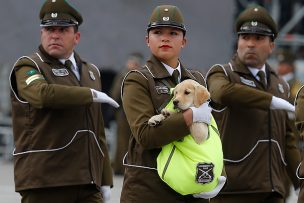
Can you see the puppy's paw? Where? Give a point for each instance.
(166, 112)
(155, 120)
(199, 132)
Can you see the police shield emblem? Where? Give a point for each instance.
(166, 18)
(254, 23)
(204, 173)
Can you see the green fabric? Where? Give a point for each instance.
(180, 163)
(32, 72)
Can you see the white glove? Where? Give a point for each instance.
(214, 192)
(297, 191)
(101, 97)
(106, 193)
(278, 103)
(202, 113)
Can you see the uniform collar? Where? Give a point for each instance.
(71, 58)
(254, 71)
(170, 69)
(238, 66)
(45, 57)
(158, 70)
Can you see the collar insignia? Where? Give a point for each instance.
(281, 89)
(92, 76)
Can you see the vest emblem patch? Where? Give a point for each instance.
(162, 90)
(204, 173)
(60, 72)
(92, 76)
(281, 89)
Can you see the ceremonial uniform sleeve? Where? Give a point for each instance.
(299, 122)
(34, 89)
(227, 93)
(299, 105)
(139, 109)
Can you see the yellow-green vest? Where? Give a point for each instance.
(191, 168)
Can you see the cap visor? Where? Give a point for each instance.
(255, 33)
(62, 23)
(166, 25)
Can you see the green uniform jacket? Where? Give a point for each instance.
(299, 103)
(58, 131)
(145, 93)
(258, 142)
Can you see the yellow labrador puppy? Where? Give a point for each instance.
(186, 94)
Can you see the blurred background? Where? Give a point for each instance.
(112, 30)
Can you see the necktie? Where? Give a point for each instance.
(175, 75)
(68, 64)
(72, 68)
(261, 74)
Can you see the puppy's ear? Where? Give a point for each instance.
(201, 95)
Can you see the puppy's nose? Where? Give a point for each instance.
(175, 103)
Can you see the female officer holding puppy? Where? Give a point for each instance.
(144, 93)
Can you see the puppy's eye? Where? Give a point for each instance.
(187, 92)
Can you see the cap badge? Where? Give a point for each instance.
(166, 18)
(54, 15)
(53, 1)
(254, 23)
(256, 9)
(166, 9)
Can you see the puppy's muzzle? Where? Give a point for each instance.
(175, 103)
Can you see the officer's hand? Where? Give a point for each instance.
(106, 193)
(278, 103)
(214, 192)
(101, 97)
(202, 113)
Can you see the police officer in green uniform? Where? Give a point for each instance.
(145, 92)
(287, 70)
(299, 121)
(258, 144)
(61, 153)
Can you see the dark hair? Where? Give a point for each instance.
(75, 28)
